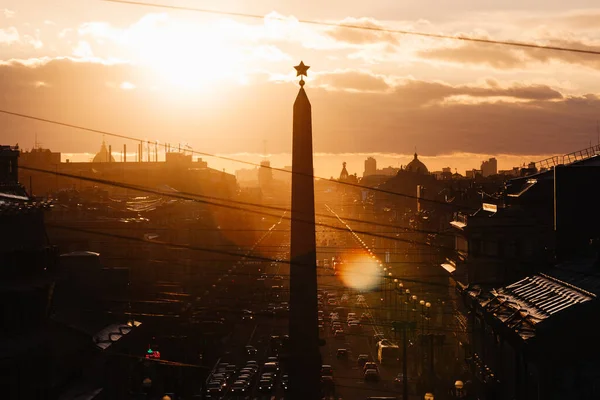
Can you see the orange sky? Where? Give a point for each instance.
(225, 84)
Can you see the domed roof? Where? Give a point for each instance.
(417, 166)
(102, 155)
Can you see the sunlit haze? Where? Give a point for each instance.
(222, 84)
(360, 272)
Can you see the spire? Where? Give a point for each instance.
(344, 173)
(304, 334)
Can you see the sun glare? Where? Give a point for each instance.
(190, 57)
(360, 272)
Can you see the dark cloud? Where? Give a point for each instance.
(504, 57)
(238, 118)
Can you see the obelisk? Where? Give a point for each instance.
(305, 358)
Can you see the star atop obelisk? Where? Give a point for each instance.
(301, 70)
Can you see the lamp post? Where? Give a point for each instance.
(428, 315)
(389, 284)
(395, 298)
(414, 308)
(422, 303)
(407, 292)
(400, 291)
(383, 275)
(458, 392)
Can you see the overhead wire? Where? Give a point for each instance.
(364, 27)
(337, 182)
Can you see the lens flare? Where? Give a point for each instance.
(360, 272)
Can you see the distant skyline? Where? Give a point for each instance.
(225, 84)
(329, 165)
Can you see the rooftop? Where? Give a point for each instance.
(533, 300)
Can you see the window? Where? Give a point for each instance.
(462, 245)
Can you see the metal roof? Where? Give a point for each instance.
(524, 304)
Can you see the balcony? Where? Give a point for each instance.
(459, 220)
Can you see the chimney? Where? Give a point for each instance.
(109, 152)
(124, 153)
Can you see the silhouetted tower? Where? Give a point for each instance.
(305, 360)
(370, 167)
(344, 174)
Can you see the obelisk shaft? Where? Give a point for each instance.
(303, 326)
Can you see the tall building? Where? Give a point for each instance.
(489, 168)
(265, 173)
(370, 167)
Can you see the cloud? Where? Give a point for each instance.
(420, 92)
(353, 81)
(476, 53)
(383, 114)
(9, 35)
(368, 35)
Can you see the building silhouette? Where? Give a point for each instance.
(417, 166)
(370, 167)
(103, 155)
(489, 167)
(265, 174)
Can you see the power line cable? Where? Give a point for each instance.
(366, 28)
(355, 185)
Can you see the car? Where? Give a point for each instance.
(239, 387)
(214, 392)
(271, 367)
(285, 382)
(370, 365)
(231, 369)
(220, 377)
(342, 354)
(362, 359)
(273, 360)
(251, 350)
(371, 375)
(267, 375)
(278, 278)
(321, 328)
(339, 334)
(247, 315)
(326, 370)
(265, 385)
(245, 378)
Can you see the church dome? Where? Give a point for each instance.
(417, 166)
(102, 155)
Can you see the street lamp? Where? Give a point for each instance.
(428, 306)
(459, 390)
(422, 303)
